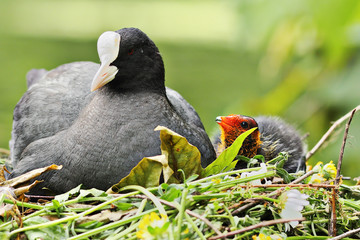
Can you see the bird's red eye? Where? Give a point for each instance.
(131, 52)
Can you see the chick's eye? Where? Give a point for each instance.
(131, 52)
(244, 125)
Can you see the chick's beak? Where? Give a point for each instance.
(108, 48)
(226, 123)
(222, 123)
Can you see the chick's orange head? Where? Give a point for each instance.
(234, 125)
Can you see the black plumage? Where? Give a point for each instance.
(278, 136)
(99, 137)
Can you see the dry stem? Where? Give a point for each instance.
(255, 226)
(4, 151)
(329, 132)
(347, 234)
(337, 179)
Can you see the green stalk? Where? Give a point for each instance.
(149, 195)
(230, 217)
(181, 212)
(123, 233)
(230, 173)
(193, 225)
(111, 225)
(71, 218)
(141, 208)
(133, 225)
(214, 195)
(24, 204)
(45, 208)
(313, 212)
(317, 221)
(350, 203)
(266, 198)
(2, 198)
(246, 179)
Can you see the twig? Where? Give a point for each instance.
(4, 151)
(332, 225)
(347, 234)
(278, 191)
(34, 198)
(334, 192)
(246, 206)
(305, 136)
(329, 132)
(255, 226)
(290, 185)
(337, 179)
(187, 211)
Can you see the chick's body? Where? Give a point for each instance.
(278, 136)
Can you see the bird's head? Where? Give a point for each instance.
(129, 59)
(233, 126)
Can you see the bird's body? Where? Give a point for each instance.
(272, 137)
(52, 102)
(111, 129)
(55, 98)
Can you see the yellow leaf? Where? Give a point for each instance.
(146, 173)
(180, 154)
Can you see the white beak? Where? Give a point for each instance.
(108, 46)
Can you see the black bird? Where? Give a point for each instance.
(99, 137)
(62, 93)
(273, 136)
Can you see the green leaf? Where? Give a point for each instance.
(192, 178)
(57, 206)
(2, 197)
(231, 166)
(180, 154)
(66, 196)
(284, 175)
(91, 192)
(223, 162)
(146, 173)
(280, 160)
(351, 203)
(172, 192)
(4, 235)
(52, 232)
(123, 205)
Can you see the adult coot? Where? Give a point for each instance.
(62, 93)
(272, 137)
(99, 137)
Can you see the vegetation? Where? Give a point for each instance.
(298, 59)
(206, 208)
(260, 202)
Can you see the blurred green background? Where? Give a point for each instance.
(298, 59)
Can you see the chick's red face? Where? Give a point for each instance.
(234, 125)
(238, 122)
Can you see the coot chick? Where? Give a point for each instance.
(114, 129)
(272, 136)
